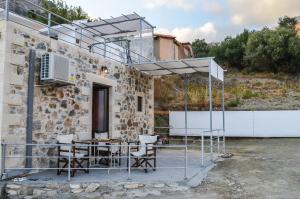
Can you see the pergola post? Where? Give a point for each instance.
(141, 43)
(210, 110)
(7, 10)
(223, 113)
(185, 119)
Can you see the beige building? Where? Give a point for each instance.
(298, 25)
(167, 47)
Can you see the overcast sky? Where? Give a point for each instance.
(191, 19)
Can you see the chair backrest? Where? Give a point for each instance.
(101, 135)
(83, 136)
(146, 139)
(65, 139)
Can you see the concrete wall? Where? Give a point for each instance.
(66, 109)
(240, 123)
(165, 49)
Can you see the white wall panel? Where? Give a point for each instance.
(239, 123)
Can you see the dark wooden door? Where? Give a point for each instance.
(100, 110)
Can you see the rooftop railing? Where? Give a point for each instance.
(75, 33)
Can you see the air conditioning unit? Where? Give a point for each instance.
(57, 69)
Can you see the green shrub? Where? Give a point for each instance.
(248, 94)
(234, 103)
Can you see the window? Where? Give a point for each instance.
(140, 104)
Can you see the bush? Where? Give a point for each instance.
(234, 103)
(249, 94)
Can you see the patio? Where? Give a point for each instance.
(170, 169)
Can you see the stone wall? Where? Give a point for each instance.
(67, 109)
(108, 190)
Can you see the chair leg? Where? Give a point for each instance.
(58, 173)
(73, 168)
(88, 166)
(154, 162)
(146, 165)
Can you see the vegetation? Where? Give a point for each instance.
(60, 8)
(259, 91)
(268, 50)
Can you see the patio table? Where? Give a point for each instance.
(107, 153)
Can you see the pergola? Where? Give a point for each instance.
(184, 67)
(131, 23)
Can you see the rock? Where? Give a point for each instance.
(52, 194)
(11, 192)
(53, 186)
(37, 192)
(75, 186)
(92, 187)
(154, 192)
(161, 185)
(133, 186)
(29, 197)
(13, 186)
(176, 187)
(41, 46)
(77, 190)
(138, 193)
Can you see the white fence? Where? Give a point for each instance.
(239, 123)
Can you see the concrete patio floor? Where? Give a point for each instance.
(166, 158)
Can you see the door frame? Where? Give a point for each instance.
(111, 85)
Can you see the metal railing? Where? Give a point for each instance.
(180, 159)
(74, 33)
(212, 142)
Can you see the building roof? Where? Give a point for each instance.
(156, 35)
(183, 66)
(118, 25)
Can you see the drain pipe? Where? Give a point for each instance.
(30, 95)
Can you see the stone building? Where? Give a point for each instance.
(67, 109)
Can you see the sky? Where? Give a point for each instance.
(188, 20)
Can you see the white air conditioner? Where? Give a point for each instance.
(57, 69)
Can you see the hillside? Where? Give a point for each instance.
(256, 91)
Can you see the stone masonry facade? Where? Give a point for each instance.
(65, 109)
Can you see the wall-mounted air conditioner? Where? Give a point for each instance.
(57, 69)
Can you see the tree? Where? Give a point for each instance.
(231, 51)
(287, 22)
(200, 48)
(273, 50)
(60, 8)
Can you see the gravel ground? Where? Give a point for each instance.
(260, 168)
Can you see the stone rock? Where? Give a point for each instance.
(133, 186)
(154, 192)
(64, 104)
(52, 193)
(11, 192)
(36, 125)
(176, 187)
(75, 186)
(13, 186)
(92, 187)
(137, 193)
(160, 185)
(77, 190)
(29, 197)
(41, 46)
(37, 192)
(53, 186)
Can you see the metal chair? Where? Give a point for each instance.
(144, 153)
(78, 155)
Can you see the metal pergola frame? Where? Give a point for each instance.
(163, 68)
